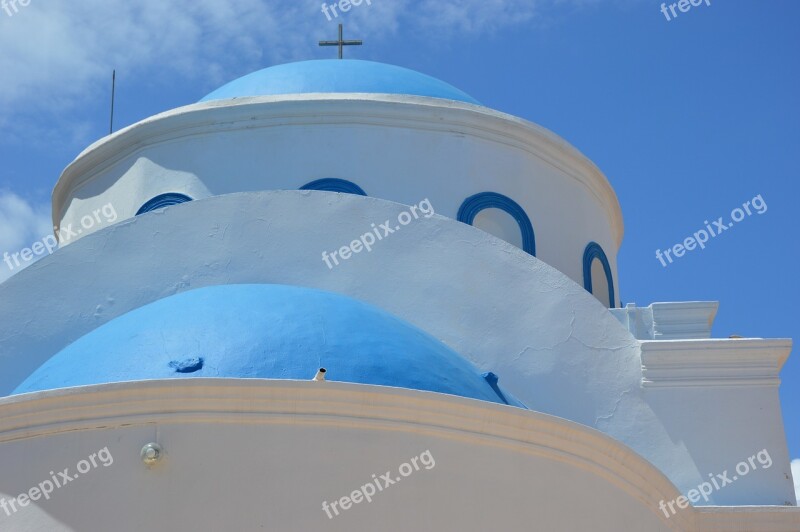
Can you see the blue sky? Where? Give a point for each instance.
(688, 118)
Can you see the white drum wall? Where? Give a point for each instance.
(400, 148)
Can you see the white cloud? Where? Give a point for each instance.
(476, 17)
(54, 54)
(57, 52)
(21, 224)
(796, 475)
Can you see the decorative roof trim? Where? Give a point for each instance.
(717, 362)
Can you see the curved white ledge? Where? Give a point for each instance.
(607, 482)
(318, 406)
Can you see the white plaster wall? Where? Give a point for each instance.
(600, 286)
(253, 454)
(250, 455)
(552, 344)
(399, 148)
(719, 427)
(500, 224)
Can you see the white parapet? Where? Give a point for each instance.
(712, 362)
(718, 400)
(669, 321)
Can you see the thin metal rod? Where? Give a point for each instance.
(113, 93)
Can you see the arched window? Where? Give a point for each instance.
(163, 200)
(331, 184)
(473, 205)
(597, 277)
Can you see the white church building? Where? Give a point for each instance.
(343, 295)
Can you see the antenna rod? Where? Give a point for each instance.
(113, 91)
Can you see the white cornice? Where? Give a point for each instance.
(713, 362)
(414, 112)
(683, 320)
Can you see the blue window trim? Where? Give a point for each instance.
(492, 200)
(332, 184)
(594, 251)
(163, 200)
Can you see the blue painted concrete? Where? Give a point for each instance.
(333, 184)
(262, 331)
(337, 76)
(163, 200)
(595, 251)
(488, 200)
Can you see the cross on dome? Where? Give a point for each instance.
(341, 43)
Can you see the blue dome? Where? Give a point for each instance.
(338, 75)
(263, 331)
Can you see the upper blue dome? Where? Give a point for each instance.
(263, 331)
(338, 75)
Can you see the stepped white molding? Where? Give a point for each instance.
(669, 321)
(714, 362)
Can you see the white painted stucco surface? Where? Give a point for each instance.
(254, 454)
(552, 344)
(400, 148)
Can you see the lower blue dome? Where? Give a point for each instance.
(263, 331)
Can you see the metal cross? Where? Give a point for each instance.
(340, 43)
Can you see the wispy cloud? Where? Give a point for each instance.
(472, 16)
(21, 224)
(56, 54)
(56, 58)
